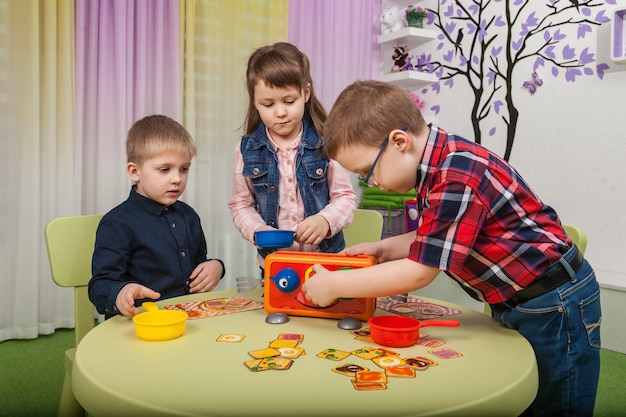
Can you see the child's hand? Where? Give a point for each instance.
(312, 230)
(318, 288)
(125, 300)
(205, 277)
(367, 248)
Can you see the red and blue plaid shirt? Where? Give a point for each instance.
(480, 222)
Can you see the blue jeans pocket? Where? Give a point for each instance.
(591, 315)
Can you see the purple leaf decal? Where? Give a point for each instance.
(499, 21)
(518, 2)
(496, 51)
(531, 20)
(476, 59)
(518, 44)
(449, 11)
(524, 30)
(568, 52)
(492, 131)
(462, 61)
(450, 26)
(586, 11)
(585, 57)
(481, 35)
(546, 35)
(449, 82)
(471, 28)
(439, 46)
(555, 72)
(583, 29)
(600, 70)
(496, 105)
(473, 8)
(611, 2)
(571, 74)
(491, 76)
(601, 18)
(448, 56)
(588, 71)
(558, 36)
(539, 62)
(424, 91)
(435, 109)
(549, 51)
(436, 87)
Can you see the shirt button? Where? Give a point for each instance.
(183, 254)
(256, 171)
(173, 225)
(319, 171)
(290, 179)
(272, 189)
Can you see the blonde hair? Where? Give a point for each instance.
(156, 134)
(281, 65)
(364, 114)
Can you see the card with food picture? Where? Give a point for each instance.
(216, 306)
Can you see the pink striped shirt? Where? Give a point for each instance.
(338, 213)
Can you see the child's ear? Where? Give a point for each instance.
(307, 92)
(401, 140)
(133, 171)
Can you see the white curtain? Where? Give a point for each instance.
(37, 157)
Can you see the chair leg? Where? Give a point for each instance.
(69, 406)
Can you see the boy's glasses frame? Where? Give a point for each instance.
(367, 179)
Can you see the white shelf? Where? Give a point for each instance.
(410, 80)
(409, 37)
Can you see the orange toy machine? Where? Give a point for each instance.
(286, 271)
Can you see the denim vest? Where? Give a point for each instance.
(260, 165)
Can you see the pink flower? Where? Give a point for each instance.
(418, 102)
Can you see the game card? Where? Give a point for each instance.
(387, 361)
(349, 369)
(368, 386)
(264, 353)
(445, 353)
(420, 363)
(333, 354)
(232, 338)
(400, 371)
(368, 352)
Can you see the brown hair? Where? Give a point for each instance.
(153, 135)
(281, 65)
(364, 114)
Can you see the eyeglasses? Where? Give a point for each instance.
(367, 179)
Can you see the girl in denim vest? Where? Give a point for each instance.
(282, 180)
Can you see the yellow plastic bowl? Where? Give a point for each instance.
(156, 325)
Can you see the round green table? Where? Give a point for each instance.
(117, 374)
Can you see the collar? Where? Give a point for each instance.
(146, 203)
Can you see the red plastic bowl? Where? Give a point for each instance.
(400, 331)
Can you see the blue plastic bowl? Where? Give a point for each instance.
(274, 239)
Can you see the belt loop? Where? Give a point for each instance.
(565, 263)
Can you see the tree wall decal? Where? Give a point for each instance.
(483, 43)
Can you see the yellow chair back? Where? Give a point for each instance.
(367, 226)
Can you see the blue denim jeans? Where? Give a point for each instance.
(563, 327)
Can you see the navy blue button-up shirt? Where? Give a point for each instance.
(145, 242)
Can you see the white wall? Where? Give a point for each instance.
(570, 146)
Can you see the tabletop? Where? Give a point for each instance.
(116, 373)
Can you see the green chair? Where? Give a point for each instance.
(579, 237)
(367, 226)
(70, 242)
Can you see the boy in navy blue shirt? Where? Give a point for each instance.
(152, 246)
